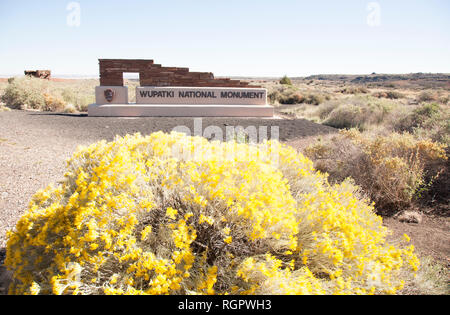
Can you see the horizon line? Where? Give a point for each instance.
(96, 76)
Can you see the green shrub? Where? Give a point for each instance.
(285, 80)
(432, 121)
(427, 111)
(423, 114)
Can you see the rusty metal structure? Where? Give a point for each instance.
(41, 74)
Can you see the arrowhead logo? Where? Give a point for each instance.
(109, 95)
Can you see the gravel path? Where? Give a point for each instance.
(34, 147)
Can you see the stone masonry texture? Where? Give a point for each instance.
(151, 74)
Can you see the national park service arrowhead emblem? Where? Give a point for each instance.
(109, 95)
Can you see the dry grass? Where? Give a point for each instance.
(391, 169)
(45, 95)
(432, 279)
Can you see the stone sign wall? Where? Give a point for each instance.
(151, 74)
(174, 92)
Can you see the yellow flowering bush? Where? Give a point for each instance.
(172, 214)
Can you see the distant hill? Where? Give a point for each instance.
(379, 77)
(426, 80)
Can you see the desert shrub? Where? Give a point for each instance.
(429, 120)
(444, 100)
(19, 96)
(45, 95)
(289, 95)
(53, 103)
(432, 121)
(427, 97)
(171, 214)
(359, 112)
(426, 111)
(282, 95)
(315, 99)
(78, 94)
(294, 97)
(435, 129)
(393, 95)
(273, 97)
(286, 95)
(70, 109)
(324, 110)
(285, 80)
(391, 169)
(349, 116)
(25, 93)
(354, 90)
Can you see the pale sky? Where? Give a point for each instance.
(228, 38)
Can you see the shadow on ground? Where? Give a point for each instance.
(60, 114)
(5, 275)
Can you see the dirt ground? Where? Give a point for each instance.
(34, 147)
(430, 238)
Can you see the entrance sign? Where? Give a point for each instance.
(172, 91)
(203, 96)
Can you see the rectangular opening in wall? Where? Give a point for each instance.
(131, 79)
